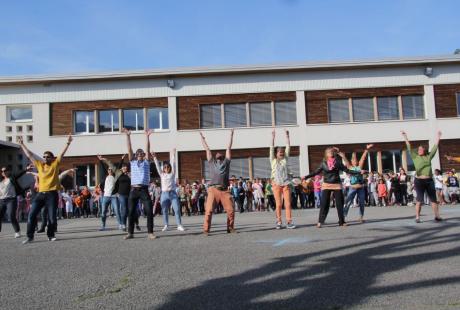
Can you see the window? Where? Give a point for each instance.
(133, 119)
(240, 167)
(85, 175)
(84, 121)
(294, 166)
(158, 118)
(19, 114)
(363, 109)
(285, 113)
(20, 157)
(261, 167)
(9, 139)
(18, 128)
(108, 121)
(387, 108)
(338, 111)
(210, 116)
(30, 139)
(8, 129)
(30, 128)
(235, 115)
(413, 107)
(458, 104)
(261, 113)
(391, 160)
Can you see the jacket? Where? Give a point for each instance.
(332, 176)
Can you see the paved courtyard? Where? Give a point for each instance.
(389, 262)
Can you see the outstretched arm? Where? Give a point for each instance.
(206, 147)
(66, 172)
(26, 151)
(364, 156)
(147, 142)
(272, 147)
(316, 172)
(228, 153)
(128, 143)
(435, 146)
(172, 161)
(451, 158)
(406, 140)
(69, 140)
(344, 159)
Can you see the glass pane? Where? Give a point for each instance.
(82, 119)
(458, 104)
(387, 108)
(154, 116)
(294, 166)
(285, 113)
(373, 158)
(261, 167)
(235, 115)
(81, 176)
(129, 119)
(338, 111)
(19, 114)
(108, 121)
(387, 161)
(92, 175)
(205, 172)
(398, 160)
(239, 167)
(210, 116)
(413, 107)
(261, 113)
(363, 109)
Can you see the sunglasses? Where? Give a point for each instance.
(46, 156)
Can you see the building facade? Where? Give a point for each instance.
(346, 104)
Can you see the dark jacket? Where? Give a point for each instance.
(331, 176)
(14, 180)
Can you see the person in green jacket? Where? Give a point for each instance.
(424, 182)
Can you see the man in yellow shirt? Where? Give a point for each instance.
(48, 187)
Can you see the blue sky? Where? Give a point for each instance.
(61, 36)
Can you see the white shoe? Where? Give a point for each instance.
(52, 239)
(180, 228)
(27, 241)
(17, 235)
(165, 228)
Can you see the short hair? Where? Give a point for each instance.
(139, 151)
(49, 153)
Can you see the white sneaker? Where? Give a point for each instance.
(52, 239)
(180, 228)
(17, 235)
(27, 241)
(165, 228)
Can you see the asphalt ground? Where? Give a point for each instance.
(389, 262)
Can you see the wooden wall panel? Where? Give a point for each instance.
(449, 147)
(188, 108)
(316, 152)
(446, 100)
(62, 113)
(190, 163)
(316, 101)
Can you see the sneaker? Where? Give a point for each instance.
(17, 235)
(438, 219)
(290, 226)
(278, 226)
(231, 231)
(165, 228)
(138, 227)
(128, 236)
(28, 240)
(180, 228)
(52, 239)
(102, 229)
(151, 236)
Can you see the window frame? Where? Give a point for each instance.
(8, 114)
(163, 109)
(200, 118)
(87, 132)
(402, 107)
(350, 120)
(98, 113)
(274, 118)
(353, 112)
(137, 119)
(245, 112)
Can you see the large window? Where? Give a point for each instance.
(211, 116)
(158, 118)
(387, 108)
(19, 114)
(239, 167)
(85, 175)
(339, 111)
(109, 121)
(285, 113)
(261, 167)
(413, 107)
(235, 115)
(363, 109)
(261, 113)
(84, 121)
(391, 160)
(133, 119)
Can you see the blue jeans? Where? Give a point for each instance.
(123, 200)
(361, 193)
(317, 199)
(115, 207)
(166, 200)
(49, 200)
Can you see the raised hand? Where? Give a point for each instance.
(149, 132)
(100, 157)
(154, 155)
(369, 146)
(20, 140)
(404, 133)
(69, 138)
(287, 132)
(449, 158)
(439, 134)
(126, 131)
(123, 156)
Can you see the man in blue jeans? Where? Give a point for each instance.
(48, 187)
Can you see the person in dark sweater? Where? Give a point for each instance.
(330, 167)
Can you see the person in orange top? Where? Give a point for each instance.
(48, 187)
(382, 192)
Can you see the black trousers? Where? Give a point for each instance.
(325, 202)
(136, 195)
(9, 205)
(48, 200)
